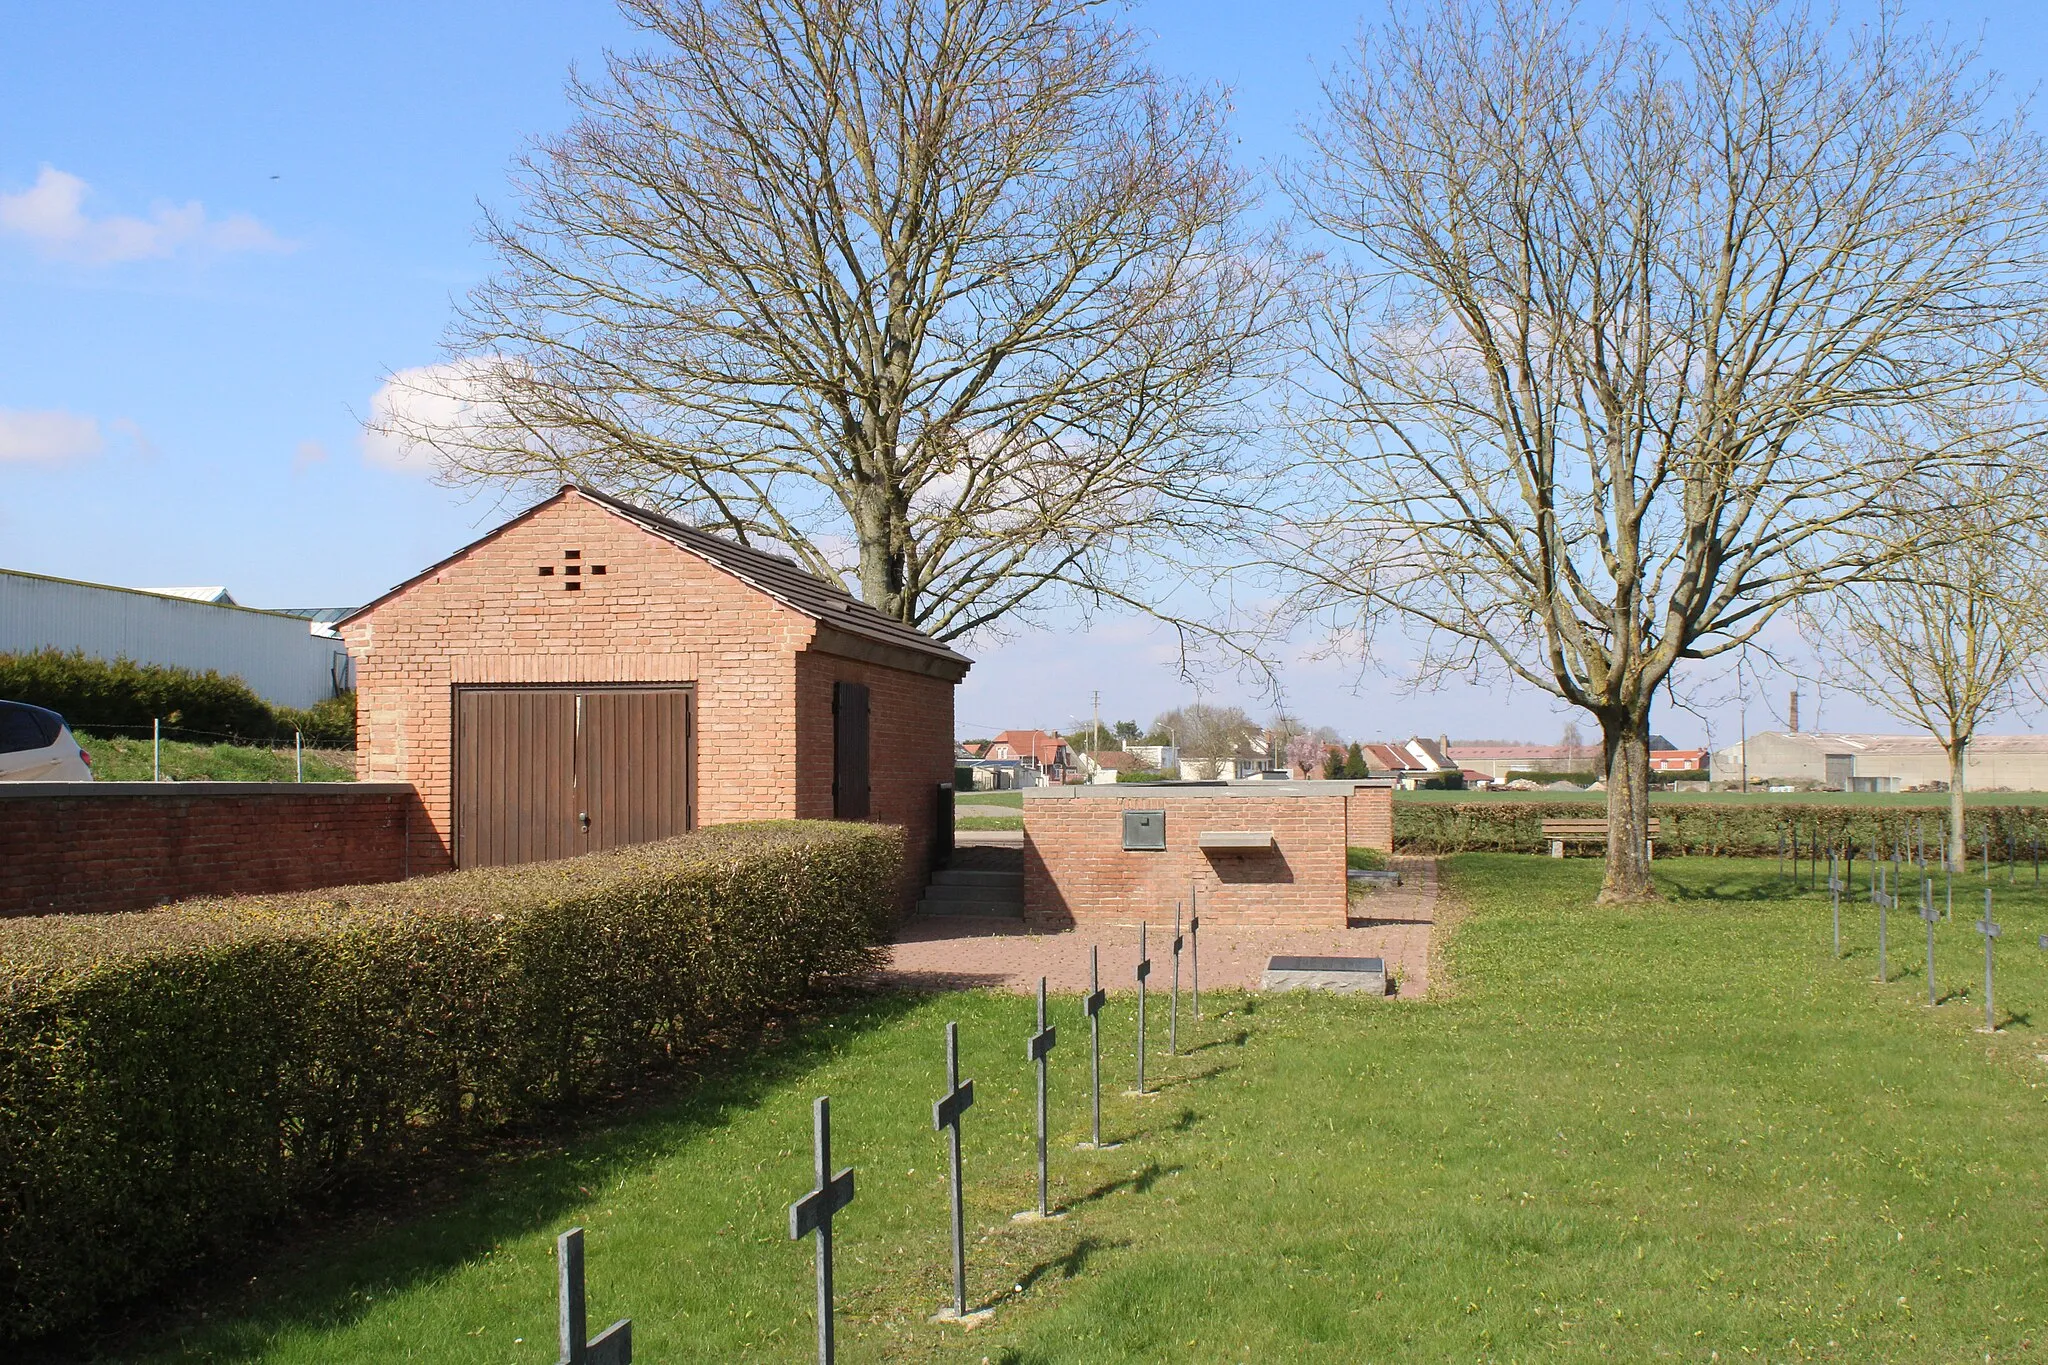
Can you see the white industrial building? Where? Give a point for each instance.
(286, 659)
(1884, 763)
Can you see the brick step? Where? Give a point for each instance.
(978, 909)
(975, 876)
(993, 895)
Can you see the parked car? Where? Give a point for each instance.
(36, 746)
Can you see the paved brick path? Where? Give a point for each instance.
(956, 952)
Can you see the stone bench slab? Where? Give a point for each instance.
(1344, 975)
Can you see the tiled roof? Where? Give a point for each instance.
(781, 578)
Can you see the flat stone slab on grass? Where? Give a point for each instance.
(1368, 877)
(1344, 975)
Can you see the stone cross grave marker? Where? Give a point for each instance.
(1039, 1049)
(614, 1345)
(1173, 1000)
(1882, 893)
(814, 1212)
(958, 1099)
(1144, 970)
(1929, 914)
(1989, 928)
(1092, 1007)
(1835, 894)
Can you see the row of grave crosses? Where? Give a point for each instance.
(1884, 894)
(814, 1212)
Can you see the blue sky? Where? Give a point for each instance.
(222, 224)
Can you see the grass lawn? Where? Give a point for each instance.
(988, 810)
(1682, 1132)
(128, 760)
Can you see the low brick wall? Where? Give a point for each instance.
(1077, 871)
(79, 848)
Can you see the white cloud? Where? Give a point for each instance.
(51, 436)
(50, 215)
(417, 409)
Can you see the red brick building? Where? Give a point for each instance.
(592, 674)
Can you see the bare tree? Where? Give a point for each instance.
(1208, 737)
(1304, 751)
(952, 298)
(1956, 632)
(1635, 331)
(1573, 745)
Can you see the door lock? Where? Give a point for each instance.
(583, 819)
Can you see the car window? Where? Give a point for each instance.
(27, 727)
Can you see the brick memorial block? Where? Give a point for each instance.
(1256, 853)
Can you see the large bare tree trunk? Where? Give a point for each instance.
(1958, 756)
(1625, 745)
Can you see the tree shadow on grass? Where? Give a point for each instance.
(1177, 1082)
(1237, 1039)
(1066, 1266)
(425, 1223)
(1139, 1181)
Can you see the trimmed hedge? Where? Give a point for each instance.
(1710, 828)
(123, 696)
(174, 1080)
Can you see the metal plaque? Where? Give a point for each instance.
(1145, 830)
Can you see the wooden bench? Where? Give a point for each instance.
(1562, 832)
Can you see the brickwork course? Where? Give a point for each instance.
(79, 848)
(759, 641)
(1078, 872)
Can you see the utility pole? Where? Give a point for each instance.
(1097, 732)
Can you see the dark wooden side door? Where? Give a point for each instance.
(850, 751)
(550, 772)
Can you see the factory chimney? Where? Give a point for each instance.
(1795, 710)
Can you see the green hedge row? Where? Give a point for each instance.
(172, 1081)
(124, 697)
(1713, 829)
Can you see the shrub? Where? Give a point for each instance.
(173, 1080)
(1365, 859)
(122, 696)
(1711, 828)
(329, 724)
(1144, 775)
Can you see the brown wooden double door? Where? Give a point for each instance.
(550, 772)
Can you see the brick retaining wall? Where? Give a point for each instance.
(1076, 870)
(76, 848)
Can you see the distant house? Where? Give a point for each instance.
(1104, 764)
(1037, 751)
(1410, 762)
(1159, 758)
(1678, 760)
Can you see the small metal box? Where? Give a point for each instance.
(1145, 829)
